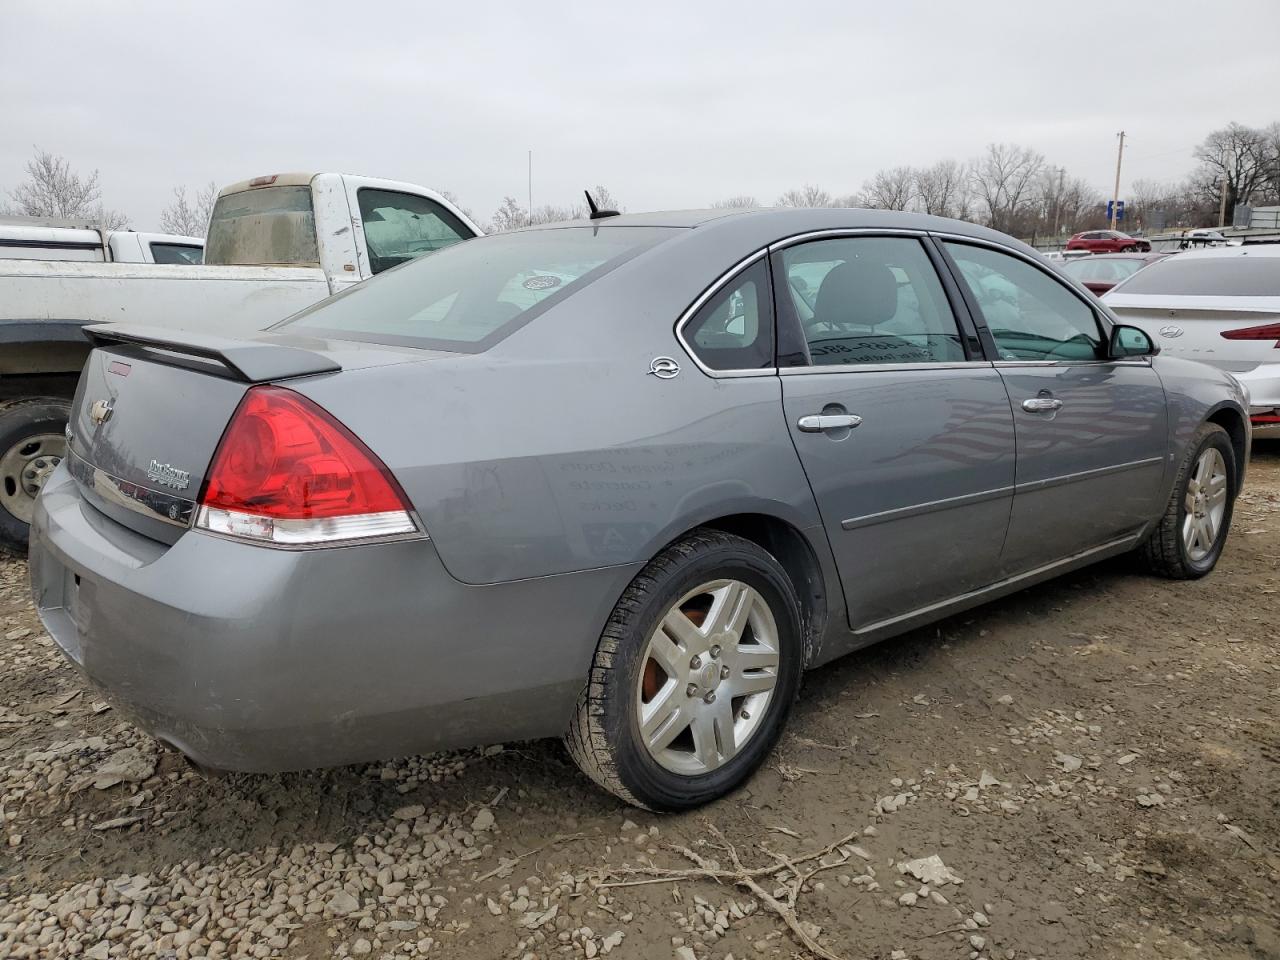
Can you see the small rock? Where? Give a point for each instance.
(411, 812)
(361, 947)
(908, 899)
(483, 820)
(1006, 699)
(342, 903)
(1068, 763)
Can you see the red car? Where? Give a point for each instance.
(1104, 271)
(1108, 241)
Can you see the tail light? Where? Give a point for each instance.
(287, 473)
(1267, 331)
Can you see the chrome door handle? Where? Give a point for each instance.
(1041, 404)
(817, 422)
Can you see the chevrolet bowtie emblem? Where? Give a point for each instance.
(101, 411)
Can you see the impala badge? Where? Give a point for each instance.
(169, 476)
(664, 368)
(101, 411)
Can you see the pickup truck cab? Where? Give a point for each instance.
(275, 245)
(39, 238)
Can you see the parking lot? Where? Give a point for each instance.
(1094, 761)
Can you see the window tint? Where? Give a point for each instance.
(1192, 276)
(734, 329)
(1031, 315)
(468, 297)
(176, 253)
(870, 300)
(401, 226)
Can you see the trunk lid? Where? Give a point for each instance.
(1193, 327)
(152, 406)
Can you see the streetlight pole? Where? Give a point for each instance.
(1115, 196)
(1057, 202)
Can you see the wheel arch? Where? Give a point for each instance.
(1232, 420)
(807, 564)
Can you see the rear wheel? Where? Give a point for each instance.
(693, 677)
(32, 443)
(1190, 536)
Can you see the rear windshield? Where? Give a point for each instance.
(469, 296)
(271, 225)
(1098, 270)
(176, 253)
(1187, 276)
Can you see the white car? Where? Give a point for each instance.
(1220, 306)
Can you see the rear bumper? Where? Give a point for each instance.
(1263, 384)
(258, 659)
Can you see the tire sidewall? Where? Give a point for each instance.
(654, 785)
(1219, 440)
(16, 422)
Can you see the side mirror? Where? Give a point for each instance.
(1127, 341)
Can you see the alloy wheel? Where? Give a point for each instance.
(708, 676)
(1206, 504)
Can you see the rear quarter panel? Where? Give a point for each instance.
(558, 451)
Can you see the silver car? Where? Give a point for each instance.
(621, 481)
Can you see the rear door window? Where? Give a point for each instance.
(400, 226)
(869, 300)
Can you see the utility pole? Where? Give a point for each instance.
(1222, 206)
(1115, 196)
(1057, 202)
(530, 217)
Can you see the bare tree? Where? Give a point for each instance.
(806, 196)
(509, 216)
(550, 213)
(740, 202)
(1244, 158)
(1002, 181)
(189, 218)
(943, 189)
(53, 190)
(891, 189)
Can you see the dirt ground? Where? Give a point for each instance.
(1095, 762)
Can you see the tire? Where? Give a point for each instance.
(32, 441)
(605, 737)
(1167, 552)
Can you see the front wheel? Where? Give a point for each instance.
(693, 677)
(32, 442)
(1189, 538)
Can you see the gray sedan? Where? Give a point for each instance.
(621, 481)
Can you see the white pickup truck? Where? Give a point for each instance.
(40, 238)
(275, 245)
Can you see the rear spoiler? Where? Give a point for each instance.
(254, 361)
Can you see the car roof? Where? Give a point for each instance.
(762, 225)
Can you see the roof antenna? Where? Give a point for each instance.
(596, 212)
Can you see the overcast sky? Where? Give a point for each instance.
(668, 104)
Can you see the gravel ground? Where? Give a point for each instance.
(1085, 769)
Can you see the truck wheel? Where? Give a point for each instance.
(32, 442)
(694, 675)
